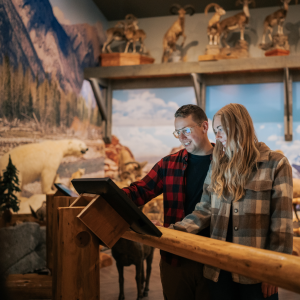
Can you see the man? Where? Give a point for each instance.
(180, 177)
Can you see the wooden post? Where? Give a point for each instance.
(77, 259)
(51, 209)
(53, 203)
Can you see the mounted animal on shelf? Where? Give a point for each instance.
(238, 21)
(129, 168)
(128, 253)
(176, 30)
(276, 18)
(213, 28)
(116, 33)
(133, 34)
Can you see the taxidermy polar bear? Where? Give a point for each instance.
(41, 160)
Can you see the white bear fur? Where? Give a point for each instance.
(41, 160)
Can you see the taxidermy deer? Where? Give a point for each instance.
(238, 21)
(213, 28)
(128, 253)
(276, 18)
(176, 30)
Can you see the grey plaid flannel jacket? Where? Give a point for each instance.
(262, 218)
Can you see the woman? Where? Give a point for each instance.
(247, 200)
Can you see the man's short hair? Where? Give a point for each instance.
(197, 113)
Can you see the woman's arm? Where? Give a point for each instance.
(200, 217)
(281, 213)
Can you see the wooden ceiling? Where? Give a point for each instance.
(117, 9)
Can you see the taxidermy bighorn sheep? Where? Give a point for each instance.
(176, 30)
(276, 18)
(133, 34)
(213, 28)
(237, 21)
(127, 30)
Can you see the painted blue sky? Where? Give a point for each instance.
(77, 12)
(143, 120)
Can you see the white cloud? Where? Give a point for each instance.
(141, 143)
(273, 138)
(143, 109)
(290, 149)
(59, 15)
(164, 131)
(261, 126)
(279, 126)
(298, 129)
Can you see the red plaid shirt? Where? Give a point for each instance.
(167, 177)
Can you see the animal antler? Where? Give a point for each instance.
(190, 9)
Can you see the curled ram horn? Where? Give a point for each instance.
(207, 8)
(174, 9)
(130, 17)
(190, 9)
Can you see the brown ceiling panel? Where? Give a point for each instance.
(118, 9)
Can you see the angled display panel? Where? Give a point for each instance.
(118, 200)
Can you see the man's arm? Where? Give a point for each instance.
(147, 188)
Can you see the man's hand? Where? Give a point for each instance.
(268, 290)
(157, 223)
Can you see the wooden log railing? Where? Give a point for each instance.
(282, 270)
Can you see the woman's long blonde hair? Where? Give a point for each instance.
(231, 168)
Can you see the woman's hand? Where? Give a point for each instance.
(268, 289)
(157, 223)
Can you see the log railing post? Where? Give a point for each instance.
(282, 270)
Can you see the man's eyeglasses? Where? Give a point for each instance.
(187, 131)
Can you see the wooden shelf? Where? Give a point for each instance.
(274, 63)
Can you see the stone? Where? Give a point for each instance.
(17, 242)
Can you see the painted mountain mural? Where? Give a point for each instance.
(41, 75)
(31, 35)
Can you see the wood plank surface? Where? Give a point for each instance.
(29, 286)
(204, 67)
(103, 221)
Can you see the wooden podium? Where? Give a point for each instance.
(81, 227)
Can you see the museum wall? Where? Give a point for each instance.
(45, 46)
(195, 30)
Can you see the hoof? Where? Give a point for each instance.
(145, 294)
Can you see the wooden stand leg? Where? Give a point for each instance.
(78, 275)
(53, 203)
